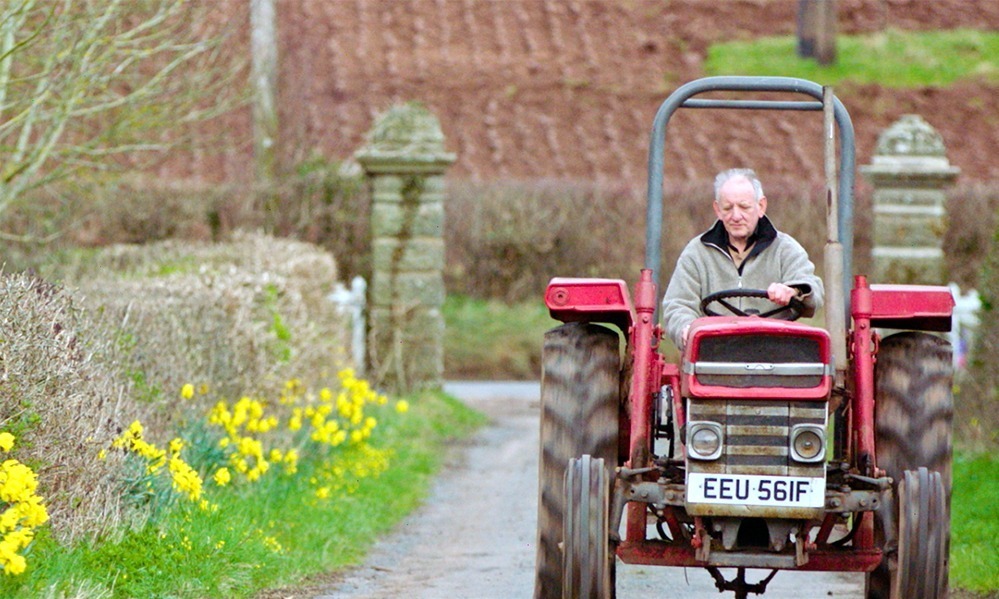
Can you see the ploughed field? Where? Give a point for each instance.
(568, 88)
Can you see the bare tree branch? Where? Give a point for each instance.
(85, 84)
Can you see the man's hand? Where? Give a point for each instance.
(780, 293)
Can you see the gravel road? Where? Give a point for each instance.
(474, 538)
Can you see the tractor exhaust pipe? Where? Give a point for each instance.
(834, 275)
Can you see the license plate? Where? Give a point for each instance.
(751, 489)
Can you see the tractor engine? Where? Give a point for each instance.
(756, 395)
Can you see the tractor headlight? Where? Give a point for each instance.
(704, 440)
(808, 442)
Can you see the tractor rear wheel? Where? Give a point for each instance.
(587, 558)
(913, 411)
(580, 397)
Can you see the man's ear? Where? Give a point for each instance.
(763, 205)
(717, 210)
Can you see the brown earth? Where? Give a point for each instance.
(567, 88)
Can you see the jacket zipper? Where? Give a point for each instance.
(738, 270)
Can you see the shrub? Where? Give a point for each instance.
(506, 240)
(971, 215)
(319, 202)
(130, 327)
(975, 415)
(60, 396)
(246, 313)
(326, 203)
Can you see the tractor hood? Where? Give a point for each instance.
(735, 357)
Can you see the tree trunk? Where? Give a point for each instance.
(817, 30)
(264, 61)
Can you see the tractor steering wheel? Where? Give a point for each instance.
(795, 308)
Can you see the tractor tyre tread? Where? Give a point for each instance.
(580, 398)
(913, 413)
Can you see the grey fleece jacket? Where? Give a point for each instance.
(705, 266)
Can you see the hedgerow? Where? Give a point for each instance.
(102, 359)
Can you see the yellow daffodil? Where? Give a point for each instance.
(222, 477)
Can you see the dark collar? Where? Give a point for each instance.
(762, 237)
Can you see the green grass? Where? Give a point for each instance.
(891, 58)
(488, 339)
(232, 552)
(974, 554)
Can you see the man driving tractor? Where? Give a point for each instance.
(738, 452)
(742, 250)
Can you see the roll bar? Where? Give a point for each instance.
(683, 98)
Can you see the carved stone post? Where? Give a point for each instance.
(405, 160)
(909, 172)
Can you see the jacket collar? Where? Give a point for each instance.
(762, 237)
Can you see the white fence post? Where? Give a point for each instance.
(964, 324)
(351, 302)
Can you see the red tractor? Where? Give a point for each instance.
(773, 444)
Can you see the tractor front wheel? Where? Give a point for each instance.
(587, 560)
(580, 398)
(913, 410)
(922, 536)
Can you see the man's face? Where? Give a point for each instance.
(738, 209)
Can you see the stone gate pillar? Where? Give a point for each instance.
(405, 160)
(910, 173)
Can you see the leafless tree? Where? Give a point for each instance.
(93, 86)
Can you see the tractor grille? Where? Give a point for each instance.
(769, 361)
(756, 435)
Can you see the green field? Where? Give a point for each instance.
(890, 58)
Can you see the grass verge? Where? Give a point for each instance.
(897, 59)
(272, 534)
(494, 340)
(974, 558)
